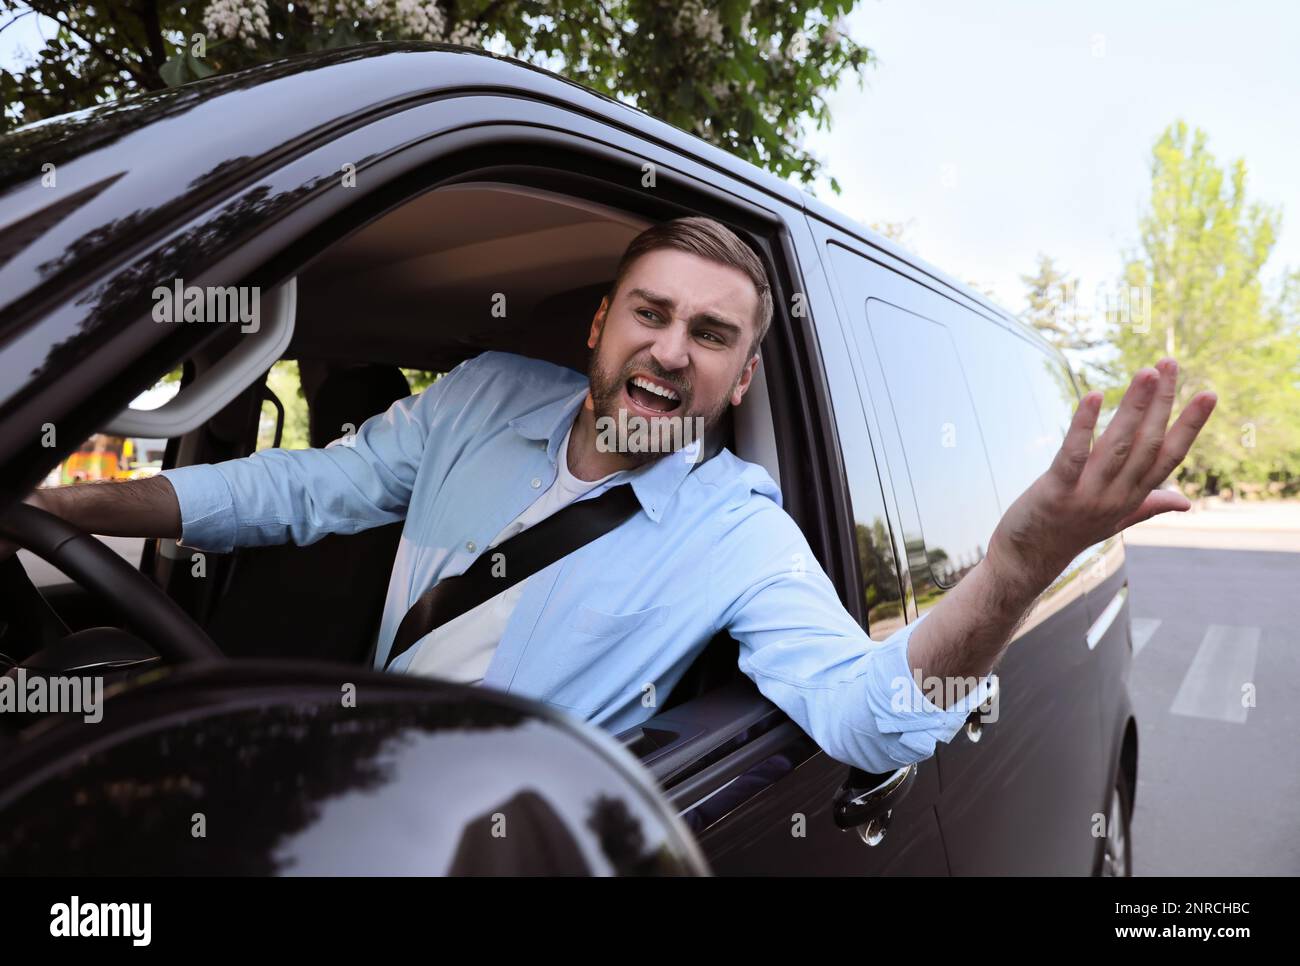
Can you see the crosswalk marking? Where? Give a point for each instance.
(1143, 629)
(1224, 663)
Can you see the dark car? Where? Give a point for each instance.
(367, 194)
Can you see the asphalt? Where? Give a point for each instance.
(1215, 599)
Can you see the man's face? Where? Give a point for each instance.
(683, 324)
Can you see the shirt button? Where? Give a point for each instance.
(470, 546)
(536, 483)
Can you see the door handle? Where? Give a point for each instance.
(866, 802)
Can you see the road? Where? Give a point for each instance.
(1216, 608)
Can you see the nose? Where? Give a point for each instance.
(671, 348)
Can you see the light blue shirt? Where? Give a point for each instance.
(612, 627)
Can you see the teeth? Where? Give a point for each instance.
(649, 386)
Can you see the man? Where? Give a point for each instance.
(501, 442)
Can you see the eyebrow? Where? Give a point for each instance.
(664, 302)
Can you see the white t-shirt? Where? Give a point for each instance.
(461, 649)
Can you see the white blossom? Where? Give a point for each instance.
(464, 34)
(321, 10)
(834, 31)
(798, 49)
(415, 18)
(245, 20)
(693, 19)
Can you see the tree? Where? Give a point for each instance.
(1053, 309)
(1193, 290)
(741, 75)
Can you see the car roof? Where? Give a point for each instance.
(302, 98)
(365, 78)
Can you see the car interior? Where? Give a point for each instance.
(405, 291)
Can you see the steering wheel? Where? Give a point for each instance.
(143, 607)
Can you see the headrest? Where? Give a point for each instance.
(353, 395)
(560, 323)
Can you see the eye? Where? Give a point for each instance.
(714, 336)
(648, 315)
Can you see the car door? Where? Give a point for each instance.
(778, 816)
(1049, 674)
(1018, 799)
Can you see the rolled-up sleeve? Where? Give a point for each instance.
(857, 698)
(206, 505)
(900, 707)
(282, 495)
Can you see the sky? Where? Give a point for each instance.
(1000, 129)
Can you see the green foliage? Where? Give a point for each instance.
(744, 76)
(1203, 248)
(880, 583)
(285, 382)
(421, 379)
(1053, 310)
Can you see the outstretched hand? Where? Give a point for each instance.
(1091, 492)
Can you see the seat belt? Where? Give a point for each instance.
(524, 554)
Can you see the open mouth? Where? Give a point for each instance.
(652, 396)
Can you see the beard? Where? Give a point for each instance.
(606, 387)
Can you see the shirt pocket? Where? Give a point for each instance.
(590, 622)
(604, 654)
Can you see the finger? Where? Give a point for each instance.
(1073, 454)
(1116, 443)
(1157, 502)
(1151, 432)
(1179, 439)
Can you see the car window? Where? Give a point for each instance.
(1022, 439)
(942, 441)
(285, 384)
(1053, 390)
(882, 591)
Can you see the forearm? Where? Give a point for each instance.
(1088, 494)
(965, 634)
(134, 508)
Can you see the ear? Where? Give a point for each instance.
(742, 384)
(597, 323)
